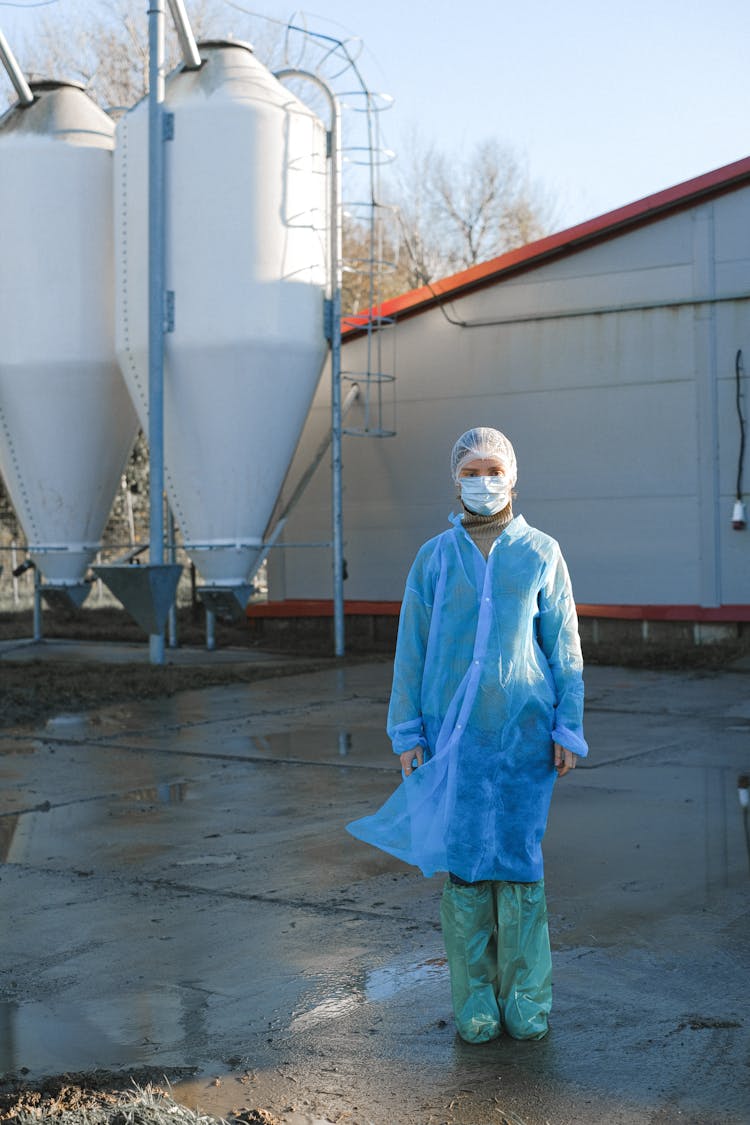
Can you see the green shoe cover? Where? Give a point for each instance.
(467, 914)
(524, 961)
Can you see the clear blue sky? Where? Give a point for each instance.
(610, 101)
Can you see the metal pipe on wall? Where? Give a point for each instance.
(15, 74)
(336, 421)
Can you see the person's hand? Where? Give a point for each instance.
(408, 757)
(565, 760)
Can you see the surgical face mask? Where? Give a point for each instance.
(485, 496)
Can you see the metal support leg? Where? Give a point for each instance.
(38, 632)
(156, 264)
(172, 631)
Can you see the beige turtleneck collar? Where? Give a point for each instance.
(484, 530)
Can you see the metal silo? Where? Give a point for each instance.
(245, 276)
(66, 421)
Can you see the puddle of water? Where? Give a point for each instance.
(378, 985)
(76, 829)
(681, 842)
(391, 980)
(358, 745)
(68, 720)
(107, 1032)
(333, 1007)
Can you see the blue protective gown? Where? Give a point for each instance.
(487, 674)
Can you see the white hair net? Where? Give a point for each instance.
(484, 442)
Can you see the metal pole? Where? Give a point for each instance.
(334, 336)
(210, 630)
(172, 636)
(156, 215)
(13, 565)
(188, 46)
(38, 631)
(20, 84)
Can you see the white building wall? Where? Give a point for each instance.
(623, 420)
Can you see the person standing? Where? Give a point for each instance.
(486, 712)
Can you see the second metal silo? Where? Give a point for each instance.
(246, 275)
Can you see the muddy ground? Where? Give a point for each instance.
(34, 690)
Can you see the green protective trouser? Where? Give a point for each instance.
(524, 959)
(467, 914)
(497, 942)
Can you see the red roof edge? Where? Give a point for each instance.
(564, 241)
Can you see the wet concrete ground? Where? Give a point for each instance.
(178, 890)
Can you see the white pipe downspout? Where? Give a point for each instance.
(156, 268)
(334, 337)
(188, 46)
(21, 86)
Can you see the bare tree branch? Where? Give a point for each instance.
(458, 213)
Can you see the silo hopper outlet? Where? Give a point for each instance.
(228, 601)
(146, 592)
(70, 596)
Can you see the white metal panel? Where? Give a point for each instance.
(67, 421)
(732, 229)
(635, 552)
(608, 415)
(651, 264)
(246, 239)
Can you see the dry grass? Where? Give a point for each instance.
(104, 1097)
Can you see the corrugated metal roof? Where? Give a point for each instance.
(564, 242)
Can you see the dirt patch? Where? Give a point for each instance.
(109, 624)
(661, 657)
(35, 690)
(102, 1097)
(97, 1095)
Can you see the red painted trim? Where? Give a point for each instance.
(728, 613)
(563, 242)
(323, 607)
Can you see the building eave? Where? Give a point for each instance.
(560, 244)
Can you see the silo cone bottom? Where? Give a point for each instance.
(467, 914)
(226, 601)
(146, 592)
(67, 597)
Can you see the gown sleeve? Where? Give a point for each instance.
(558, 637)
(405, 725)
